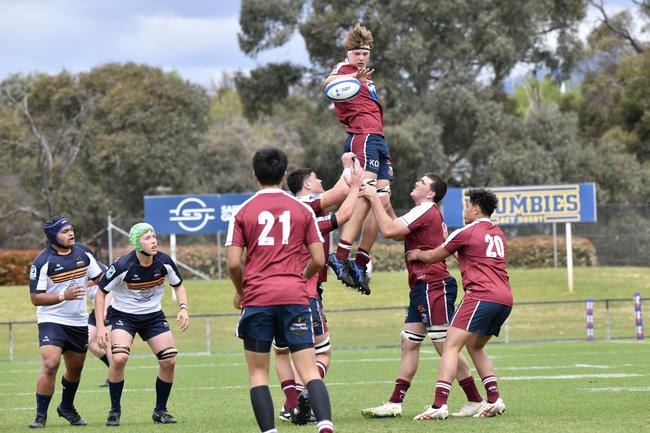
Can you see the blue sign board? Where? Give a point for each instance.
(540, 204)
(191, 214)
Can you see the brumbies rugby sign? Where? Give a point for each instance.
(540, 204)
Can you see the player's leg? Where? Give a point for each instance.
(358, 266)
(257, 327)
(496, 315)
(284, 370)
(442, 297)
(51, 350)
(94, 347)
(366, 156)
(162, 345)
(257, 359)
(456, 339)
(121, 342)
(74, 362)
(305, 362)
(322, 345)
(297, 331)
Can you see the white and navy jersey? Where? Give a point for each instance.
(53, 273)
(137, 289)
(92, 290)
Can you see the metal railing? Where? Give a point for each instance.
(373, 327)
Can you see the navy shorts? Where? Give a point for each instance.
(372, 152)
(73, 338)
(432, 303)
(480, 317)
(289, 325)
(146, 325)
(318, 318)
(92, 320)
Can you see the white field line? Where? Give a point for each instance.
(618, 389)
(373, 382)
(338, 361)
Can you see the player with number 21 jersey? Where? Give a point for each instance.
(275, 228)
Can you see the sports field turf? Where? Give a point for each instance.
(551, 387)
(600, 386)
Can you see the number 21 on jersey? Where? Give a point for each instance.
(267, 219)
(495, 246)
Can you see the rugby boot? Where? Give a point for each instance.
(470, 408)
(301, 413)
(386, 410)
(359, 276)
(491, 409)
(113, 418)
(39, 421)
(162, 417)
(341, 269)
(285, 415)
(71, 415)
(432, 413)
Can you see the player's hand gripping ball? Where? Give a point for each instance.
(342, 89)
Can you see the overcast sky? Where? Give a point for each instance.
(197, 38)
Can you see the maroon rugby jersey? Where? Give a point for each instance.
(325, 226)
(481, 248)
(362, 114)
(275, 229)
(426, 233)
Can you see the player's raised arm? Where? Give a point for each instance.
(389, 227)
(335, 195)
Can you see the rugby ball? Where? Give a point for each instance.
(342, 89)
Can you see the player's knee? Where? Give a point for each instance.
(120, 354)
(437, 334)
(324, 346)
(50, 367)
(383, 191)
(168, 353)
(412, 337)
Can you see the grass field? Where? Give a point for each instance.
(551, 387)
(601, 386)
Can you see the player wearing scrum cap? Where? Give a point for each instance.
(363, 117)
(137, 282)
(57, 284)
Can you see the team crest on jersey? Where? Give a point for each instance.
(80, 261)
(110, 272)
(32, 273)
(298, 326)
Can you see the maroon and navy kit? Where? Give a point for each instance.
(481, 248)
(363, 117)
(362, 114)
(433, 290)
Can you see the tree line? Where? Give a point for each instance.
(86, 144)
